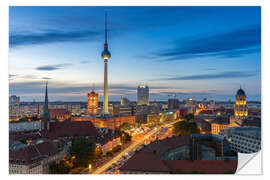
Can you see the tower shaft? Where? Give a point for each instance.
(105, 56)
(105, 97)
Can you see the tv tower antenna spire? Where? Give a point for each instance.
(106, 28)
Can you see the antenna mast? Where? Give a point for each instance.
(106, 27)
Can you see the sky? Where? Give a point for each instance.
(192, 52)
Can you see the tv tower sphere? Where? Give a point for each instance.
(106, 54)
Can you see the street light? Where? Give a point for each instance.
(90, 167)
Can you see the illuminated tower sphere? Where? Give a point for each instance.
(240, 107)
(92, 107)
(105, 56)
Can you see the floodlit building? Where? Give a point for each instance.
(59, 114)
(240, 107)
(111, 122)
(92, 107)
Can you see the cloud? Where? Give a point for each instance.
(229, 44)
(84, 62)
(38, 86)
(186, 93)
(210, 69)
(222, 75)
(29, 76)
(52, 67)
(46, 78)
(50, 36)
(12, 76)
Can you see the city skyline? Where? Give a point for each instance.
(206, 51)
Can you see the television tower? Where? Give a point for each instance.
(105, 56)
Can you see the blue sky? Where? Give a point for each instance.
(188, 51)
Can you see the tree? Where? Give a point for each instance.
(125, 126)
(230, 153)
(116, 149)
(188, 117)
(125, 137)
(23, 140)
(35, 118)
(23, 119)
(228, 172)
(83, 151)
(98, 152)
(59, 168)
(185, 128)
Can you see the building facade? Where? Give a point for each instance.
(35, 158)
(173, 104)
(59, 114)
(107, 122)
(142, 95)
(92, 107)
(240, 107)
(243, 139)
(14, 100)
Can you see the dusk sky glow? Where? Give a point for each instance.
(189, 51)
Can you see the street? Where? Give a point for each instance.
(132, 147)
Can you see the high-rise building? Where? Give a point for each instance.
(142, 95)
(240, 107)
(125, 101)
(190, 106)
(92, 108)
(173, 104)
(105, 56)
(14, 100)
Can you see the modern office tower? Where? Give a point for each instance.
(14, 100)
(212, 104)
(240, 107)
(125, 101)
(142, 95)
(105, 56)
(173, 104)
(92, 108)
(190, 106)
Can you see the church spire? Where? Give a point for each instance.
(46, 115)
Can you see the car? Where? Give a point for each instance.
(108, 170)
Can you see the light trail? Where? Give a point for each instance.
(101, 169)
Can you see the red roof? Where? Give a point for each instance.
(161, 146)
(202, 166)
(208, 111)
(145, 161)
(54, 112)
(72, 128)
(33, 153)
